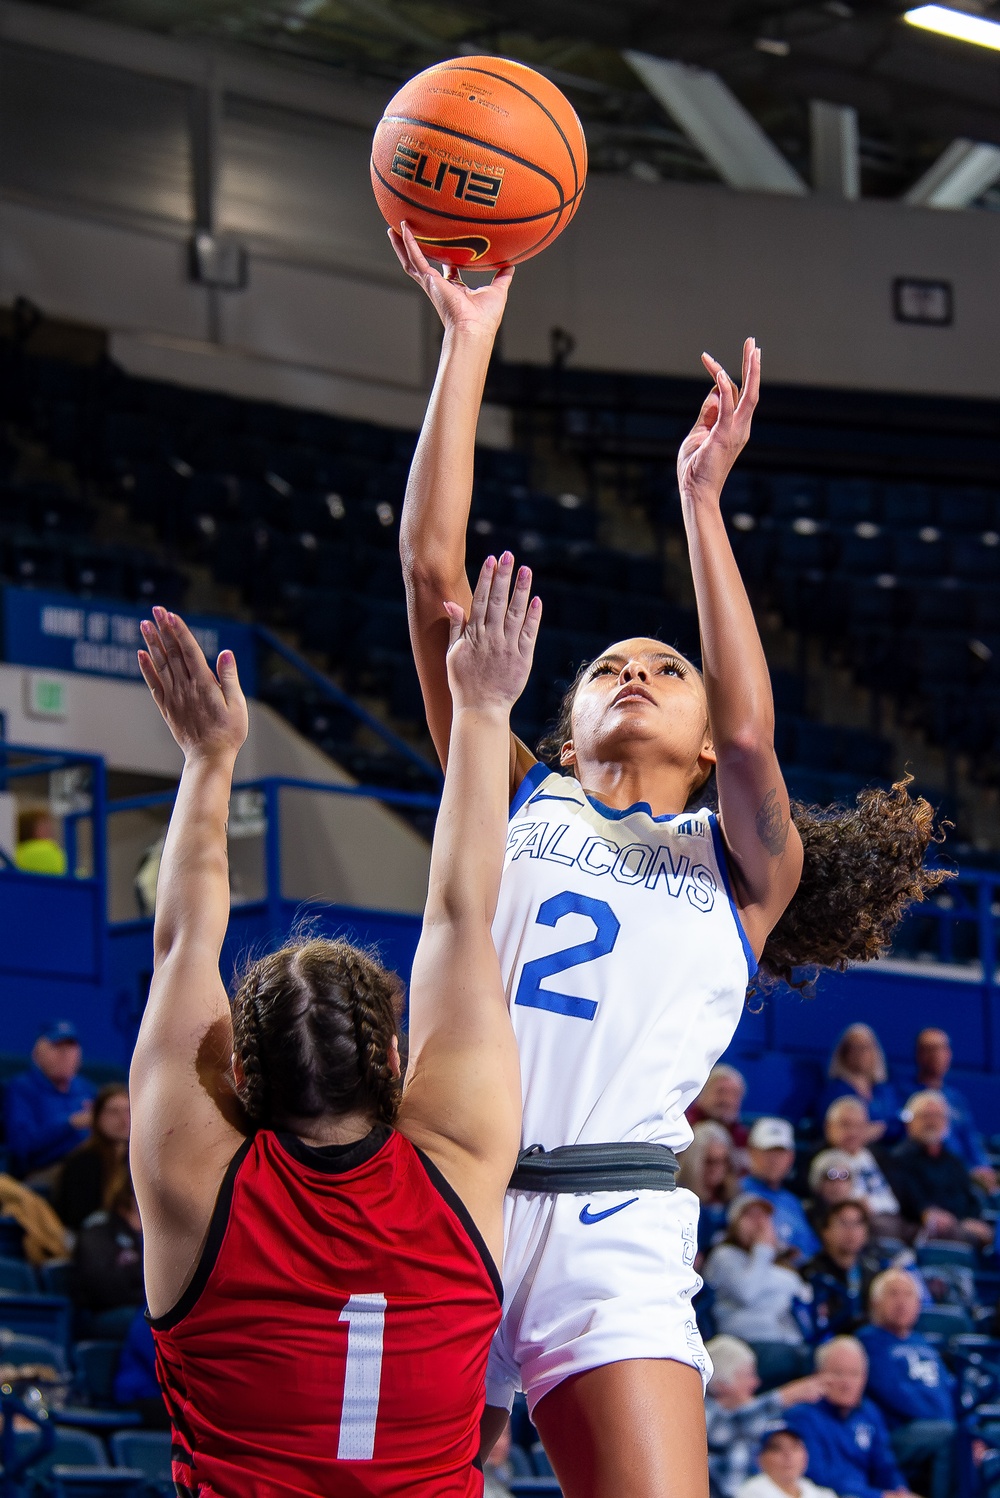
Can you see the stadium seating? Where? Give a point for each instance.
(300, 513)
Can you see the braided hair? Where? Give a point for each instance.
(313, 1025)
(863, 867)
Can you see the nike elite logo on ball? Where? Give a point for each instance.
(587, 1216)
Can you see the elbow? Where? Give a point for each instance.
(746, 744)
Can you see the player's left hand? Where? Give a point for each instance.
(205, 712)
(720, 434)
(490, 653)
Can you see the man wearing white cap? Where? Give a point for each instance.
(772, 1155)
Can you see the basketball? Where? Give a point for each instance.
(484, 158)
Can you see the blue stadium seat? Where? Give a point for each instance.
(17, 1347)
(908, 505)
(944, 1321)
(17, 1277)
(66, 1481)
(540, 1460)
(520, 1462)
(147, 1450)
(535, 1487)
(850, 500)
(945, 1251)
(96, 1365)
(74, 1448)
(55, 1277)
(45, 1316)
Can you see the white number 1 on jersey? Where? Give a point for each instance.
(365, 1317)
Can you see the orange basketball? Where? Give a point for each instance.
(484, 158)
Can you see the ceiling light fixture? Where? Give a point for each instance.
(958, 24)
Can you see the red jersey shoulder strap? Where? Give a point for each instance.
(452, 1199)
(213, 1243)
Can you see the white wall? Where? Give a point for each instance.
(649, 275)
(645, 277)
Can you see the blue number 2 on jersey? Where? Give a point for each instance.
(550, 913)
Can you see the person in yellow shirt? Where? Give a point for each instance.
(38, 848)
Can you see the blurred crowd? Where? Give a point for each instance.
(850, 1283)
(69, 1187)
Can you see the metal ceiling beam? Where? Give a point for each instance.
(961, 174)
(712, 116)
(836, 159)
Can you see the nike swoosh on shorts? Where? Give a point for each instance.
(587, 1216)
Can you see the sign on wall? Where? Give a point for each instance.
(99, 637)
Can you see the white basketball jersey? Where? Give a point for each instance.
(624, 960)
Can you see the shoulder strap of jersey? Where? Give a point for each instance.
(213, 1243)
(461, 1211)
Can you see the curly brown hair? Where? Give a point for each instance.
(863, 867)
(313, 1024)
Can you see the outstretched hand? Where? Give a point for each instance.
(476, 308)
(490, 653)
(205, 712)
(720, 434)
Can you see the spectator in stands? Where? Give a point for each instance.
(721, 1099)
(709, 1170)
(842, 1272)
(107, 1267)
(933, 1063)
(772, 1156)
(932, 1184)
(847, 1128)
(783, 1460)
(858, 1069)
(845, 1435)
(92, 1174)
(831, 1181)
(909, 1382)
(736, 1415)
(757, 1298)
(39, 850)
(48, 1108)
(136, 1385)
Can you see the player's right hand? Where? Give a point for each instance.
(475, 309)
(207, 714)
(490, 653)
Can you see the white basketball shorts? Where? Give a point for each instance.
(590, 1280)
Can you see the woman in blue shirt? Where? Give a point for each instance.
(857, 1069)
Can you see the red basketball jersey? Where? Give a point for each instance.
(334, 1337)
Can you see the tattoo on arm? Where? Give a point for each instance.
(772, 827)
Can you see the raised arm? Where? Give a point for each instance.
(462, 1100)
(435, 516)
(764, 846)
(183, 1133)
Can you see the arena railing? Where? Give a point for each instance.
(953, 935)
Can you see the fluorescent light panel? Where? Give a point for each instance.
(958, 24)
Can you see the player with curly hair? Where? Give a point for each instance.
(320, 1236)
(631, 919)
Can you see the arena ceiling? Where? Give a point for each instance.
(914, 92)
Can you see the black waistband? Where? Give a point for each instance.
(583, 1168)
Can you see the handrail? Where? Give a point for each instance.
(421, 800)
(344, 700)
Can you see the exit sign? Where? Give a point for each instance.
(44, 696)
